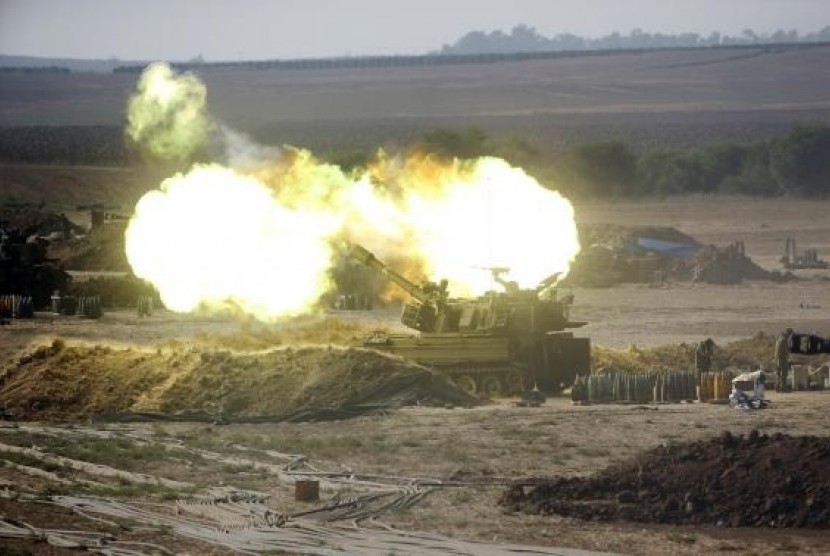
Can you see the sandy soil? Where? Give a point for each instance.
(483, 445)
(647, 315)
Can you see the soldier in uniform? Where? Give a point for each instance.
(782, 359)
(703, 356)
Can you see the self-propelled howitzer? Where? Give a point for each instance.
(498, 343)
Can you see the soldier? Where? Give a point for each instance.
(703, 356)
(782, 359)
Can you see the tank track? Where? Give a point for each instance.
(490, 381)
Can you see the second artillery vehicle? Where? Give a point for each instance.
(25, 269)
(500, 343)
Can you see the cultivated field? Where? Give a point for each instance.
(651, 99)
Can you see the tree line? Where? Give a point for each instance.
(794, 164)
(34, 69)
(524, 38)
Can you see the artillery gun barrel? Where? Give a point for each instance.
(364, 256)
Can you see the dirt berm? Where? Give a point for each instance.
(72, 383)
(733, 481)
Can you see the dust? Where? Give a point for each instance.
(252, 335)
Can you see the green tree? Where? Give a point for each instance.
(670, 173)
(517, 150)
(348, 159)
(755, 177)
(605, 168)
(719, 161)
(456, 143)
(800, 161)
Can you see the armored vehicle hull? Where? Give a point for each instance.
(500, 343)
(495, 366)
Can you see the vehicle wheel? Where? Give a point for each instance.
(466, 383)
(491, 387)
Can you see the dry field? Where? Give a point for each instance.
(654, 98)
(649, 315)
(461, 458)
(458, 459)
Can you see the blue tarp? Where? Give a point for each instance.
(671, 248)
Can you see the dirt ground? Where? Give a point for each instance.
(472, 452)
(671, 313)
(477, 448)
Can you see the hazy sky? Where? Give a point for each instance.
(261, 29)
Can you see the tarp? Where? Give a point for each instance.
(671, 248)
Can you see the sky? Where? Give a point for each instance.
(268, 29)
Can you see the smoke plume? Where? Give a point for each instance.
(167, 114)
(260, 231)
